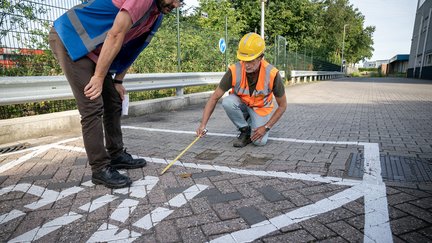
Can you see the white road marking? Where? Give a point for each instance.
(47, 228)
(97, 203)
(153, 218)
(124, 210)
(108, 233)
(377, 227)
(140, 188)
(35, 152)
(184, 197)
(10, 216)
(377, 222)
(47, 196)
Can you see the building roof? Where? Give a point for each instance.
(400, 58)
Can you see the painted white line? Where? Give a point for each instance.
(124, 210)
(184, 197)
(70, 148)
(376, 212)
(377, 224)
(97, 203)
(10, 216)
(140, 188)
(47, 228)
(24, 158)
(108, 233)
(153, 218)
(46, 196)
(312, 210)
(51, 196)
(35, 152)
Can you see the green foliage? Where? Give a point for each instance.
(368, 69)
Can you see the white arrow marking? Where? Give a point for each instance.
(97, 203)
(107, 233)
(51, 196)
(10, 216)
(188, 194)
(47, 228)
(140, 188)
(153, 218)
(46, 196)
(124, 210)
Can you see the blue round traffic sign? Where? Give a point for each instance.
(222, 45)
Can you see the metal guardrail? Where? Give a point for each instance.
(18, 90)
(309, 76)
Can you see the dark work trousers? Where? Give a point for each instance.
(98, 115)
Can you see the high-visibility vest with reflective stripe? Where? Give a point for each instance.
(84, 27)
(261, 99)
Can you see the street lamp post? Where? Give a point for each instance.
(343, 45)
(262, 18)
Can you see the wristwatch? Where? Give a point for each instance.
(267, 128)
(116, 81)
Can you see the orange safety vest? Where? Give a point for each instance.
(261, 100)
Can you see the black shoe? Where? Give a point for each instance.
(125, 161)
(244, 137)
(110, 178)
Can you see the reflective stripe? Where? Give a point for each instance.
(262, 99)
(238, 69)
(91, 43)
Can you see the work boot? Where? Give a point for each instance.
(125, 161)
(244, 137)
(110, 178)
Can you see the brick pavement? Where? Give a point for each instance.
(318, 179)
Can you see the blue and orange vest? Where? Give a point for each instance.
(84, 27)
(261, 99)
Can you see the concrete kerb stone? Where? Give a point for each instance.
(22, 128)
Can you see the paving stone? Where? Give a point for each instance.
(296, 236)
(224, 197)
(225, 211)
(346, 231)
(206, 174)
(192, 235)
(167, 232)
(226, 226)
(271, 194)
(406, 224)
(318, 230)
(251, 215)
(416, 211)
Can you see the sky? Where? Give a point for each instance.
(393, 21)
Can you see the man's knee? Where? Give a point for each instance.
(230, 102)
(260, 142)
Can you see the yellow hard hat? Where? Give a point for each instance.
(250, 47)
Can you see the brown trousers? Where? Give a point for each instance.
(97, 116)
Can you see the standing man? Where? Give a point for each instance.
(93, 42)
(253, 83)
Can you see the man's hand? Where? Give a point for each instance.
(258, 133)
(201, 131)
(94, 88)
(121, 90)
